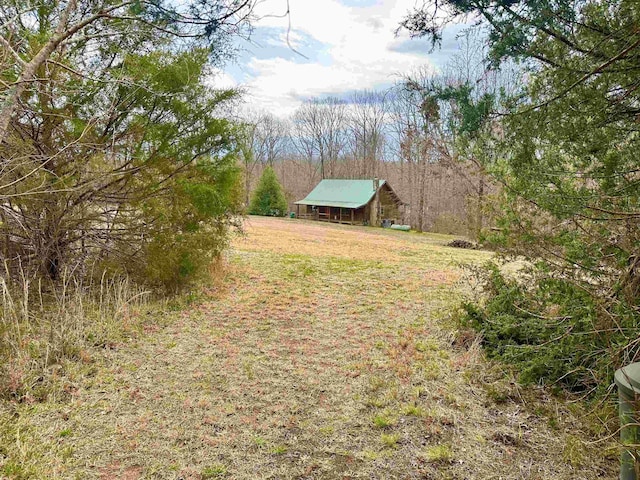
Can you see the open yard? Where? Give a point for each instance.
(322, 352)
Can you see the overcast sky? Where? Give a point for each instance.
(348, 44)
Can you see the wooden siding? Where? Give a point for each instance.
(390, 209)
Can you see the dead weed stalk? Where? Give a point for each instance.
(44, 327)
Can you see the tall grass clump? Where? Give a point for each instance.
(45, 328)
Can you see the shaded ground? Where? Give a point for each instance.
(320, 356)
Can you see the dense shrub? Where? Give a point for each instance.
(552, 330)
(156, 208)
(269, 199)
(196, 218)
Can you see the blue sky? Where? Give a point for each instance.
(346, 45)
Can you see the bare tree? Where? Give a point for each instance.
(247, 158)
(415, 125)
(366, 125)
(265, 142)
(272, 138)
(468, 70)
(320, 132)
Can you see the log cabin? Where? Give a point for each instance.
(354, 202)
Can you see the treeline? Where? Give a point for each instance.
(400, 134)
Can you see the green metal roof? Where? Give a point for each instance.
(341, 193)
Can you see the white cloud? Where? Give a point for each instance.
(222, 80)
(355, 47)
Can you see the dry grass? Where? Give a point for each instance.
(44, 330)
(322, 355)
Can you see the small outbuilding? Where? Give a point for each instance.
(354, 202)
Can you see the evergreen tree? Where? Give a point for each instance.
(130, 176)
(269, 199)
(566, 153)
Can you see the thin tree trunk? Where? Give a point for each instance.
(247, 185)
(422, 194)
(62, 33)
(30, 69)
(479, 217)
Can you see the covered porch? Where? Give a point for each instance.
(331, 214)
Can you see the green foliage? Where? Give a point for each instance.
(390, 440)
(471, 114)
(159, 206)
(551, 330)
(279, 449)
(188, 223)
(214, 471)
(268, 198)
(566, 155)
(514, 25)
(382, 421)
(131, 169)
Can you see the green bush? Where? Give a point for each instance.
(194, 226)
(269, 199)
(158, 207)
(552, 331)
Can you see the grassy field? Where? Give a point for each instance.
(321, 352)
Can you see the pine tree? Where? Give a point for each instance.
(269, 199)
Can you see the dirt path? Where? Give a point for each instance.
(321, 356)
